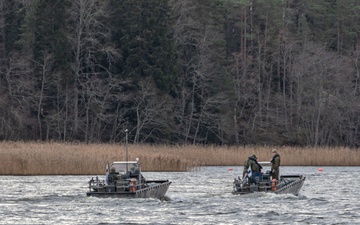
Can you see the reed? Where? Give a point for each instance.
(44, 158)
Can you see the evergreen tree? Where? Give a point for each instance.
(142, 33)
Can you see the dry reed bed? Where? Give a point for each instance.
(39, 158)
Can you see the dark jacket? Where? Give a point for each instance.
(253, 164)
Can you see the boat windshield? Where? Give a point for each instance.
(265, 163)
(123, 167)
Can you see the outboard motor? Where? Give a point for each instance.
(238, 183)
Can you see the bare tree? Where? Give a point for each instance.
(198, 41)
(322, 92)
(153, 113)
(88, 36)
(45, 78)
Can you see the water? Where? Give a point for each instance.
(201, 197)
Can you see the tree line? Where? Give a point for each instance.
(224, 72)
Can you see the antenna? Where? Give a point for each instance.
(127, 152)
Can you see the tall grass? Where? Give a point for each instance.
(40, 158)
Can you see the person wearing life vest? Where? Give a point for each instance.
(253, 164)
(275, 164)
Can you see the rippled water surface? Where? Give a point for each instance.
(201, 197)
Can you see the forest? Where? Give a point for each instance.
(207, 72)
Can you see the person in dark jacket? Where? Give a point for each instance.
(253, 164)
(112, 175)
(275, 164)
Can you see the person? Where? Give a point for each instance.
(134, 169)
(275, 164)
(253, 165)
(112, 175)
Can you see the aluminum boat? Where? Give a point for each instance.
(125, 180)
(263, 182)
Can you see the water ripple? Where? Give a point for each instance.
(200, 197)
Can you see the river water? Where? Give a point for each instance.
(199, 197)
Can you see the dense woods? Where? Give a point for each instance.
(224, 72)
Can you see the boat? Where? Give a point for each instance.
(125, 180)
(263, 182)
(122, 182)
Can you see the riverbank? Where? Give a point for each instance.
(44, 158)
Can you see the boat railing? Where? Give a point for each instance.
(96, 182)
(124, 184)
(128, 184)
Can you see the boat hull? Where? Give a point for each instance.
(292, 188)
(154, 189)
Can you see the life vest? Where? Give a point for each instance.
(133, 185)
(273, 184)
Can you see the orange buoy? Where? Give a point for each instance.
(230, 169)
(320, 169)
(273, 184)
